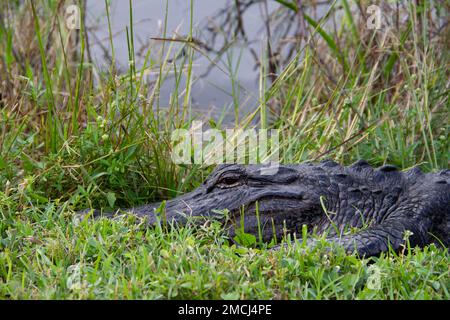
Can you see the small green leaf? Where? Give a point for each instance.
(230, 296)
(244, 239)
(186, 285)
(111, 197)
(436, 285)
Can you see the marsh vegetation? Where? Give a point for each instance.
(75, 135)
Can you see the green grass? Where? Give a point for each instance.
(47, 255)
(67, 144)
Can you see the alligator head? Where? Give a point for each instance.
(245, 197)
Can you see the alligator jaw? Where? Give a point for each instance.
(269, 213)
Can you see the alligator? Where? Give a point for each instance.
(366, 210)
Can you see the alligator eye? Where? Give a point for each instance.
(228, 182)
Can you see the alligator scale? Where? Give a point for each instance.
(381, 204)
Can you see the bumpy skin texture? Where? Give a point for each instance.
(381, 203)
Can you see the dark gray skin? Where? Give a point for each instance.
(381, 203)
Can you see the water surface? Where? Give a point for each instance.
(212, 91)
